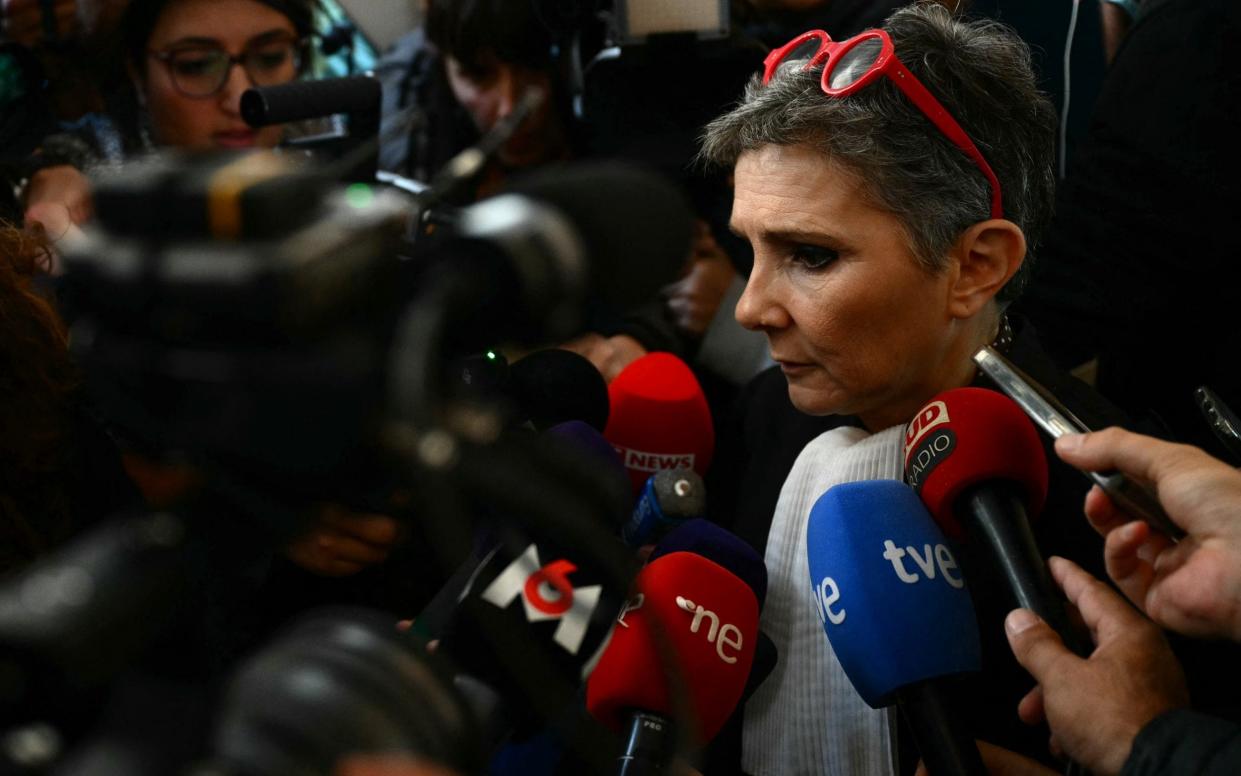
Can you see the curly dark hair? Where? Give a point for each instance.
(36, 380)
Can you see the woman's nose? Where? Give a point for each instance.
(508, 91)
(757, 308)
(237, 83)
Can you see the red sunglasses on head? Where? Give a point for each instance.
(857, 62)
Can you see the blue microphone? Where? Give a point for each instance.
(669, 498)
(894, 605)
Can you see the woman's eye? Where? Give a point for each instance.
(271, 60)
(813, 257)
(194, 65)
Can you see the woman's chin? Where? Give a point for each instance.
(815, 400)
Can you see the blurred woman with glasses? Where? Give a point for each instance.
(892, 186)
(189, 61)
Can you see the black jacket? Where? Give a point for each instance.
(1185, 742)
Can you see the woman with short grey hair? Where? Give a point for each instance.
(892, 187)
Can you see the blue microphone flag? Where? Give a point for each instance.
(888, 589)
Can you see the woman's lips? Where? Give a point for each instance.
(794, 367)
(238, 138)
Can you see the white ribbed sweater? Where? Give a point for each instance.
(806, 717)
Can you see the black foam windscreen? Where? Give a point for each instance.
(553, 386)
(636, 225)
(356, 95)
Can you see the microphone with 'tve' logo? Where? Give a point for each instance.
(895, 607)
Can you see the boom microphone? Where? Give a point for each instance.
(976, 461)
(708, 616)
(358, 95)
(660, 418)
(894, 605)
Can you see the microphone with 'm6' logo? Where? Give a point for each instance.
(529, 624)
(895, 607)
(706, 616)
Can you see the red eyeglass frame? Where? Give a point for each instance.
(887, 64)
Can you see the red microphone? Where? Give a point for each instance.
(708, 617)
(659, 418)
(978, 464)
(968, 436)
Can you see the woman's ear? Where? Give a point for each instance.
(987, 255)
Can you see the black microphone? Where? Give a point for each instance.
(343, 682)
(70, 623)
(358, 97)
(553, 386)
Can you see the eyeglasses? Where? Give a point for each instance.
(857, 62)
(202, 70)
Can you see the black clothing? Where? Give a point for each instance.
(1135, 266)
(839, 18)
(1185, 742)
(423, 126)
(753, 460)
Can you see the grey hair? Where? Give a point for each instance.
(980, 71)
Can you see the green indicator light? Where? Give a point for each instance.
(491, 354)
(359, 195)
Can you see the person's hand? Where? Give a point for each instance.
(1195, 586)
(1096, 706)
(341, 543)
(1001, 762)
(610, 355)
(58, 199)
(695, 298)
(21, 21)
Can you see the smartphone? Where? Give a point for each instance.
(1057, 420)
(1222, 420)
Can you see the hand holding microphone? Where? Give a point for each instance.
(1193, 587)
(1096, 706)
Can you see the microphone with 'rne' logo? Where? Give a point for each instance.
(704, 611)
